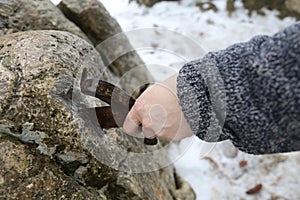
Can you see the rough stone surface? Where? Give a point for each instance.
(293, 5)
(24, 15)
(92, 17)
(24, 174)
(49, 148)
(89, 15)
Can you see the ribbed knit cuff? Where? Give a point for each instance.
(194, 99)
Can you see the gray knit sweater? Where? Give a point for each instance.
(248, 93)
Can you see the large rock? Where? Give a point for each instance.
(49, 148)
(24, 15)
(93, 19)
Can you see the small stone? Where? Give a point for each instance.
(243, 163)
(29, 186)
(293, 5)
(1, 180)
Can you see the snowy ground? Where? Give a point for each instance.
(224, 173)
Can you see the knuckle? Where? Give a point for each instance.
(147, 126)
(129, 126)
(147, 123)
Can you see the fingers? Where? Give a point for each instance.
(159, 113)
(132, 122)
(148, 133)
(155, 126)
(137, 117)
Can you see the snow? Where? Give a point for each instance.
(214, 171)
(56, 1)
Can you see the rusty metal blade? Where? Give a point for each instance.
(107, 92)
(103, 115)
(107, 119)
(121, 103)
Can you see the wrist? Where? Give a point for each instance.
(171, 83)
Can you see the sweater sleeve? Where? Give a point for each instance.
(248, 93)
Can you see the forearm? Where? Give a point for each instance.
(260, 79)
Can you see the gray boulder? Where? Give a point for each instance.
(49, 148)
(24, 15)
(92, 18)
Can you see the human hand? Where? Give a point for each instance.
(159, 112)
